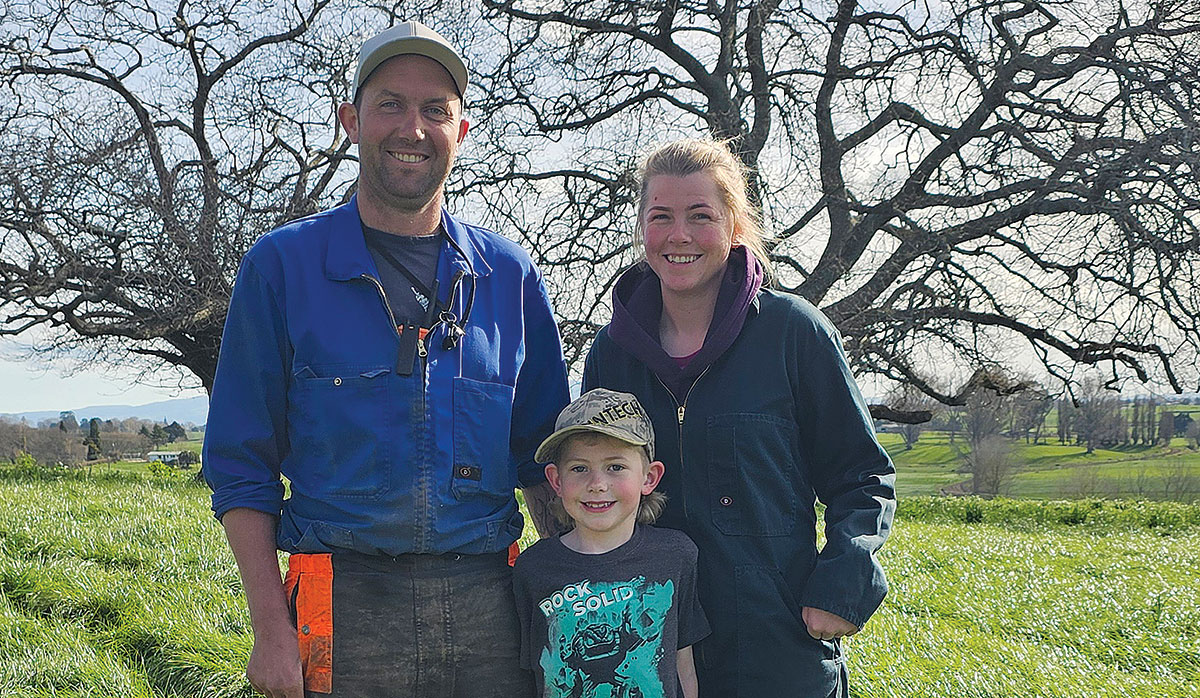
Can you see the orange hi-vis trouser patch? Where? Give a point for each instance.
(309, 589)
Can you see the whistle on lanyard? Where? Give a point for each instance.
(454, 332)
(455, 328)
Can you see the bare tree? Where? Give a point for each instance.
(1066, 415)
(13, 439)
(1150, 422)
(942, 180)
(949, 421)
(949, 183)
(1029, 409)
(992, 466)
(1084, 482)
(907, 400)
(1180, 482)
(988, 457)
(143, 148)
(121, 445)
(984, 417)
(1166, 428)
(1098, 420)
(1142, 479)
(47, 445)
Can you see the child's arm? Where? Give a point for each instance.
(686, 668)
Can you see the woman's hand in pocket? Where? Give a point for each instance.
(824, 625)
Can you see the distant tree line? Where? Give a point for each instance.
(70, 441)
(1105, 421)
(983, 430)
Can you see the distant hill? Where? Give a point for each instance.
(182, 410)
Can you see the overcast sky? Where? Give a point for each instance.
(27, 387)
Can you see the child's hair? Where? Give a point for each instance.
(650, 507)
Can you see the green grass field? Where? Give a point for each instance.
(123, 586)
(1048, 470)
(1045, 471)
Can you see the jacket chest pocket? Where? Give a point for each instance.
(482, 422)
(340, 422)
(753, 476)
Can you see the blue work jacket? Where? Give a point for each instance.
(383, 456)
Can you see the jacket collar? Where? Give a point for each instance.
(464, 238)
(347, 257)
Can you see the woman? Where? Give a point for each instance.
(756, 415)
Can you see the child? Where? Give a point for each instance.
(610, 607)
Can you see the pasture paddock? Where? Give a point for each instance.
(117, 585)
(1050, 470)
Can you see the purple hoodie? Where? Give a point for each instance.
(637, 308)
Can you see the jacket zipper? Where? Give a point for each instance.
(422, 345)
(422, 352)
(680, 411)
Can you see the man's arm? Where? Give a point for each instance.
(274, 667)
(540, 392)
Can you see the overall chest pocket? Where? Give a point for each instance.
(341, 422)
(482, 422)
(753, 475)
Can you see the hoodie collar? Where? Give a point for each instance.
(637, 310)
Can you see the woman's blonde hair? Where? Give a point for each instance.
(691, 155)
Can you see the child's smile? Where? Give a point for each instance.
(601, 481)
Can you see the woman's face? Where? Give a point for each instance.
(688, 233)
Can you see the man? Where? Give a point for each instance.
(398, 367)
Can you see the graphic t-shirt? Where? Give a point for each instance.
(608, 625)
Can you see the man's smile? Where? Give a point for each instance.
(408, 157)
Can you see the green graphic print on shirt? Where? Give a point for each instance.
(604, 639)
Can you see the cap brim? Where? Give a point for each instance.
(549, 448)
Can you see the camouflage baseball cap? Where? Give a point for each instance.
(601, 411)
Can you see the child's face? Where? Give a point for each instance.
(601, 481)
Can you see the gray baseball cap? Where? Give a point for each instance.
(601, 411)
(410, 38)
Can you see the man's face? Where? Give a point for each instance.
(408, 125)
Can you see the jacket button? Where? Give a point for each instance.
(337, 381)
(726, 501)
(305, 630)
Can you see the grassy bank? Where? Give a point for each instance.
(116, 586)
(983, 610)
(123, 586)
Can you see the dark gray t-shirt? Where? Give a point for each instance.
(418, 254)
(616, 618)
